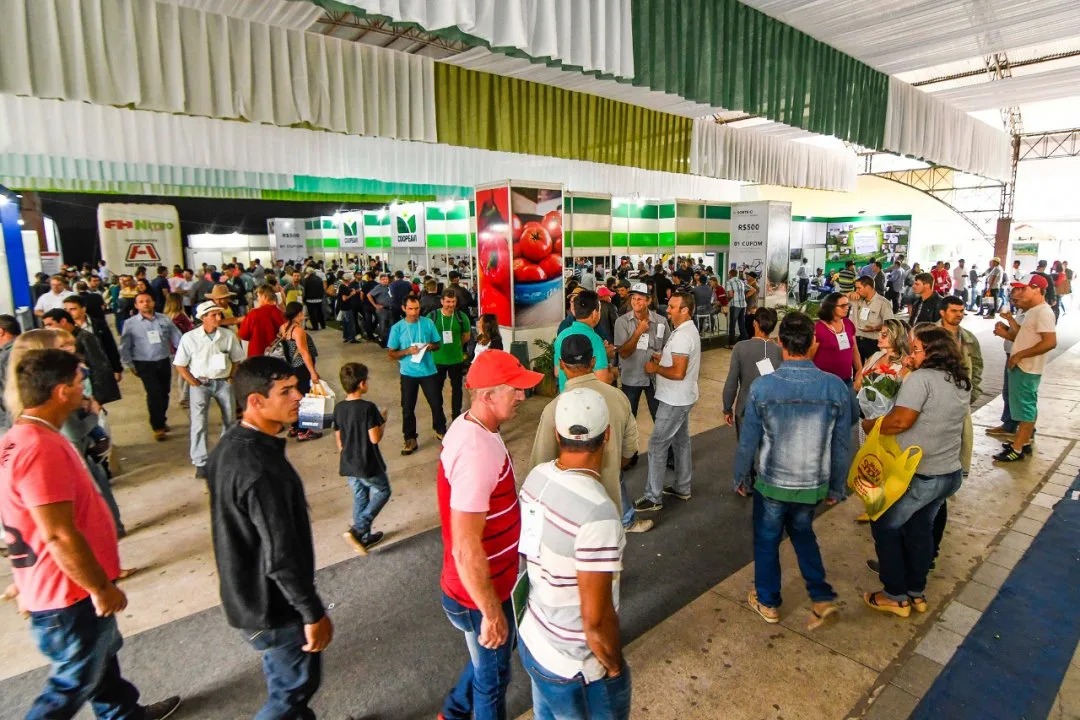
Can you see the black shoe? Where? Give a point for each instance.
(373, 539)
(1009, 454)
(200, 472)
(1027, 449)
(644, 504)
(873, 565)
(161, 709)
(670, 490)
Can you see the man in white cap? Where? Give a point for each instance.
(573, 540)
(638, 334)
(205, 359)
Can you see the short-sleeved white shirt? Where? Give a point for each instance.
(684, 340)
(52, 301)
(1037, 320)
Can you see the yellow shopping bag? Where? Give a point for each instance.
(882, 466)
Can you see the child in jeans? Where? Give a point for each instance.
(360, 427)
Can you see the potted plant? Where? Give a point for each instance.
(545, 363)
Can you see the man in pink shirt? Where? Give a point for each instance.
(481, 523)
(62, 545)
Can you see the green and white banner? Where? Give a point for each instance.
(351, 232)
(133, 234)
(407, 225)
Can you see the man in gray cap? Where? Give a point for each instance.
(638, 334)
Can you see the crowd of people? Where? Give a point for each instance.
(533, 562)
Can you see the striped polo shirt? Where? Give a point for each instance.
(476, 475)
(582, 532)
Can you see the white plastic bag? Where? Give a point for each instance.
(317, 407)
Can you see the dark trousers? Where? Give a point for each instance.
(804, 289)
(348, 325)
(893, 296)
(735, 324)
(771, 518)
(940, 521)
(292, 675)
(156, 378)
(410, 390)
(366, 317)
(316, 316)
(866, 346)
(82, 648)
(1006, 415)
(457, 377)
(633, 394)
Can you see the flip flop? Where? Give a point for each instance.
(920, 604)
(818, 619)
(902, 610)
(760, 609)
(864, 518)
(125, 573)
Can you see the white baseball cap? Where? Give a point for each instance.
(581, 414)
(641, 288)
(208, 306)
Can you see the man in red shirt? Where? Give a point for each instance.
(260, 326)
(942, 279)
(62, 545)
(481, 523)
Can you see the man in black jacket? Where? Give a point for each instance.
(314, 294)
(102, 379)
(76, 305)
(927, 304)
(262, 540)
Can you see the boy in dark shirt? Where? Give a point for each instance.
(360, 426)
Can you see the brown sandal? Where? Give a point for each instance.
(762, 610)
(818, 618)
(901, 609)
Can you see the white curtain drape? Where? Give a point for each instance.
(594, 35)
(160, 56)
(723, 152)
(922, 126)
(60, 138)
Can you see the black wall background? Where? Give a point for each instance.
(76, 216)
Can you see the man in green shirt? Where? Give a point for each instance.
(453, 328)
(585, 306)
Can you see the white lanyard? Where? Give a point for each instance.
(41, 421)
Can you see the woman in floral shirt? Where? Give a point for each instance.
(883, 371)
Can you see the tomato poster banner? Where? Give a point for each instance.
(493, 252)
(536, 230)
(132, 234)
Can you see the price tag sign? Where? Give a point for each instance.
(153, 337)
(643, 342)
(765, 367)
(843, 341)
(447, 337)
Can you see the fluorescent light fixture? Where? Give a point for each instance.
(640, 202)
(337, 217)
(21, 223)
(447, 205)
(4, 200)
(616, 202)
(381, 214)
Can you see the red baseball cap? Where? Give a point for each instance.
(1032, 280)
(498, 367)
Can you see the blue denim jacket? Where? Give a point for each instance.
(798, 430)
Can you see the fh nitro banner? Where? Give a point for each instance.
(132, 235)
(351, 232)
(407, 226)
(287, 237)
(749, 236)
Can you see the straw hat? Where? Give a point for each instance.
(220, 292)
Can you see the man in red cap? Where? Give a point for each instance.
(481, 523)
(1031, 341)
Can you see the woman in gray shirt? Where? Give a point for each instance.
(929, 413)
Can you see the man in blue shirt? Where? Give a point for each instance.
(412, 342)
(160, 286)
(586, 308)
(146, 348)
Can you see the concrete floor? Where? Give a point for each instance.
(711, 658)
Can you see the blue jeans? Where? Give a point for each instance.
(628, 514)
(292, 675)
(199, 401)
(771, 519)
(480, 692)
(560, 698)
(82, 648)
(1007, 421)
(904, 534)
(671, 430)
(369, 496)
(104, 486)
(348, 324)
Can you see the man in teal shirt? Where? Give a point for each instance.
(413, 342)
(586, 308)
(453, 327)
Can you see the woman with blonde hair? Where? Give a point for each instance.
(174, 310)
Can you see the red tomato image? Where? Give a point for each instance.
(495, 264)
(551, 265)
(557, 247)
(515, 227)
(493, 301)
(535, 242)
(526, 272)
(552, 222)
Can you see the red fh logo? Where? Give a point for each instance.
(119, 225)
(142, 252)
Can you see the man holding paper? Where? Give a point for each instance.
(412, 342)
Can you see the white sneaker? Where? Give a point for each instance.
(640, 526)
